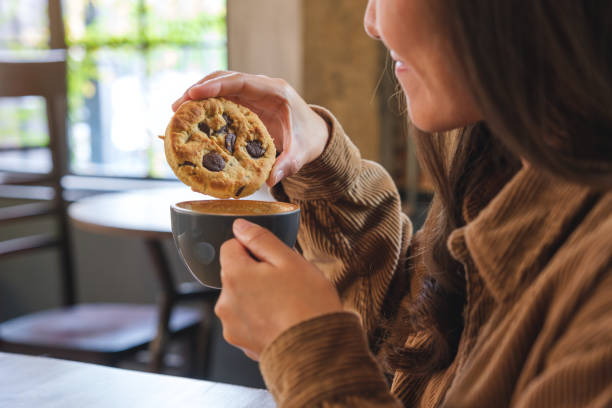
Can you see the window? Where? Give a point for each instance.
(128, 60)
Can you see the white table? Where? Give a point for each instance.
(27, 382)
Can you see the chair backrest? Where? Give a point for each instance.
(42, 73)
(57, 39)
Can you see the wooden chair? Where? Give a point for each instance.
(105, 333)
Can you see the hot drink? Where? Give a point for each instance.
(237, 207)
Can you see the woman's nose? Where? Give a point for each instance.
(369, 20)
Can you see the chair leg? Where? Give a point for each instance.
(158, 346)
(200, 343)
(167, 300)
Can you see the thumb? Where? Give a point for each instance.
(250, 354)
(264, 245)
(286, 165)
(233, 254)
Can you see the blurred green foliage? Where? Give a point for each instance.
(151, 30)
(144, 31)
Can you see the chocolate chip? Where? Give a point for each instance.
(187, 163)
(204, 128)
(255, 148)
(239, 191)
(225, 128)
(213, 161)
(228, 120)
(230, 140)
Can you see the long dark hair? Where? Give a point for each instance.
(541, 73)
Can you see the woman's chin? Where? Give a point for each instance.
(431, 120)
(425, 121)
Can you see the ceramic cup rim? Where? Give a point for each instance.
(175, 207)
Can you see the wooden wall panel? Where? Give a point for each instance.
(320, 47)
(265, 37)
(342, 66)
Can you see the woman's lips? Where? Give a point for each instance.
(400, 65)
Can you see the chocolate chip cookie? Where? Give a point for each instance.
(219, 148)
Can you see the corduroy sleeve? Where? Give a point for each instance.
(353, 229)
(351, 226)
(325, 362)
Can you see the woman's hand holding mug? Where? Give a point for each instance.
(267, 288)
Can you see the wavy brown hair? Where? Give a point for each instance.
(541, 73)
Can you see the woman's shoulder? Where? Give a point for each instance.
(583, 283)
(581, 268)
(591, 239)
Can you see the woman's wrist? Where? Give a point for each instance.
(320, 133)
(332, 171)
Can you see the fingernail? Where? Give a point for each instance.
(179, 99)
(241, 225)
(278, 176)
(190, 90)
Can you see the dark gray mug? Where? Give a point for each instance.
(201, 227)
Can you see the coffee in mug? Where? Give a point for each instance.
(237, 207)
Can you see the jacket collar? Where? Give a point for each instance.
(519, 231)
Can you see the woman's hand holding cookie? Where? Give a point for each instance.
(300, 135)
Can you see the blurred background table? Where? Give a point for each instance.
(44, 382)
(141, 213)
(145, 214)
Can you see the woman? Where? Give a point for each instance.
(504, 297)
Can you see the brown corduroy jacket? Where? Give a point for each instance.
(538, 316)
